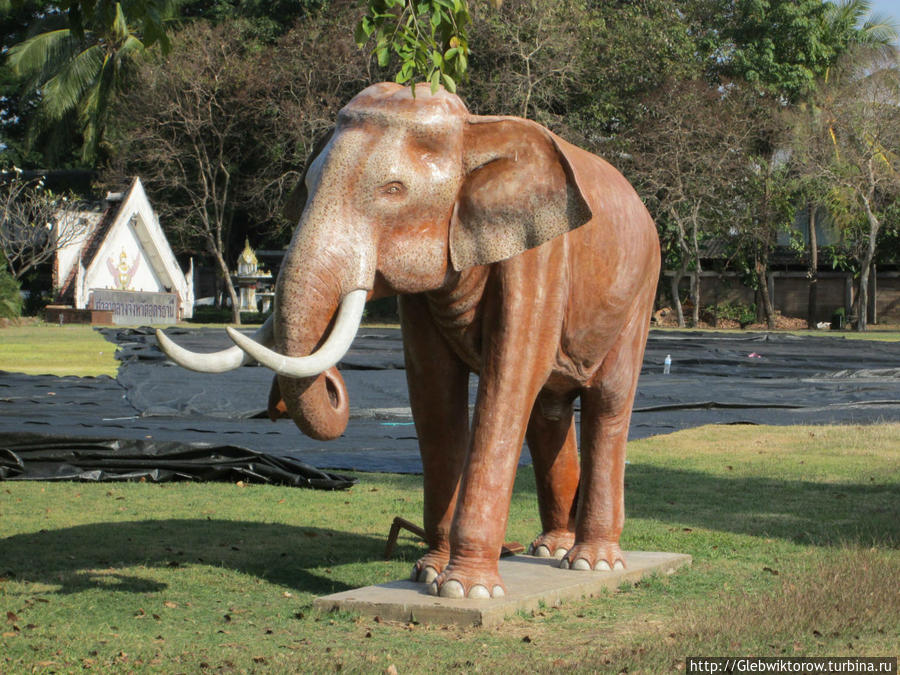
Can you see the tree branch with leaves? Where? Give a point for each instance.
(35, 222)
(685, 157)
(426, 39)
(852, 146)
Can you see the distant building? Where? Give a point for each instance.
(123, 263)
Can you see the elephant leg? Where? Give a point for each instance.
(439, 396)
(520, 339)
(554, 456)
(606, 405)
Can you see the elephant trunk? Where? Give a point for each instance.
(318, 405)
(314, 281)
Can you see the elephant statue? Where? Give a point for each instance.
(516, 256)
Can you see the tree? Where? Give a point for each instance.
(187, 131)
(301, 110)
(768, 207)
(852, 147)
(77, 58)
(16, 22)
(850, 26)
(264, 20)
(778, 47)
(221, 128)
(529, 58)
(629, 50)
(34, 223)
(686, 155)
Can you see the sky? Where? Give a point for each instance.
(888, 7)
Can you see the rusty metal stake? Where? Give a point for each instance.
(395, 532)
(509, 547)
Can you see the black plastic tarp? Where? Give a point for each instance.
(39, 457)
(716, 378)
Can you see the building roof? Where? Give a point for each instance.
(79, 268)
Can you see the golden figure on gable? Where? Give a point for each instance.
(122, 273)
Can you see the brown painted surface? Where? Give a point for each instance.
(517, 256)
(66, 315)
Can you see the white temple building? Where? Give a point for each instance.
(122, 262)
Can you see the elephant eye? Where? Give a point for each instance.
(393, 189)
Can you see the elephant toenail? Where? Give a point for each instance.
(428, 574)
(581, 564)
(563, 564)
(433, 588)
(479, 592)
(498, 592)
(619, 565)
(560, 553)
(603, 566)
(542, 551)
(452, 589)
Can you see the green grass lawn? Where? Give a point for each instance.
(794, 534)
(48, 349)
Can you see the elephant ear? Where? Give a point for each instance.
(296, 201)
(519, 191)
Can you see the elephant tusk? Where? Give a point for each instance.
(215, 362)
(338, 342)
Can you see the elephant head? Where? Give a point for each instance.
(408, 191)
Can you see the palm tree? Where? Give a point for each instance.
(75, 63)
(851, 23)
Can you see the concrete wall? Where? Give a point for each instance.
(791, 293)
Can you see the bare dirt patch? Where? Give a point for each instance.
(666, 317)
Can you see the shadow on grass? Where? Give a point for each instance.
(92, 556)
(804, 512)
(97, 556)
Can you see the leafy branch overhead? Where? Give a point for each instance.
(429, 38)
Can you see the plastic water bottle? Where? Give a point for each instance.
(667, 364)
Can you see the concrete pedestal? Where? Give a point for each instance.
(529, 582)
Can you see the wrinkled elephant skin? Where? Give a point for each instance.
(516, 256)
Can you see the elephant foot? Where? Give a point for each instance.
(552, 544)
(602, 557)
(429, 566)
(476, 582)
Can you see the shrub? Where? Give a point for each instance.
(10, 295)
(737, 311)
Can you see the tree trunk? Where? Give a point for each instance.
(863, 299)
(229, 286)
(675, 281)
(235, 302)
(762, 270)
(813, 270)
(695, 297)
(685, 259)
(866, 266)
(695, 280)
